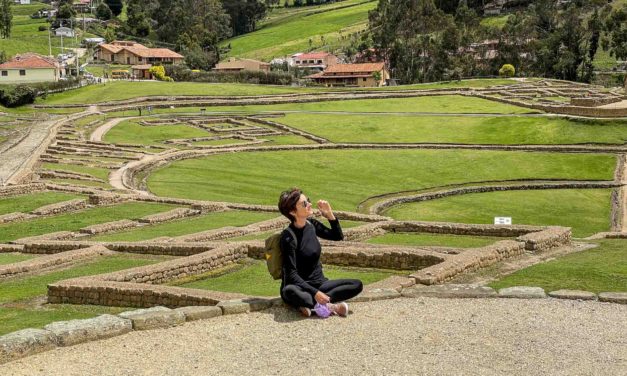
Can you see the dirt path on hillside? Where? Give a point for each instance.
(392, 337)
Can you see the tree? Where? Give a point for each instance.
(616, 29)
(3, 56)
(6, 18)
(507, 70)
(115, 6)
(103, 12)
(244, 14)
(199, 59)
(66, 12)
(137, 22)
(109, 34)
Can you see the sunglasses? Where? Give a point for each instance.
(304, 203)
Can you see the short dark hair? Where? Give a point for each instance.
(288, 201)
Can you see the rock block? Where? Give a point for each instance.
(193, 313)
(449, 291)
(573, 294)
(613, 297)
(77, 331)
(231, 307)
(376, 294)
(522, 292)
(24, 343)
(154, 318)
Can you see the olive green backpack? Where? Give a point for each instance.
(274, 258)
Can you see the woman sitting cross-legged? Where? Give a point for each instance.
(304, 285)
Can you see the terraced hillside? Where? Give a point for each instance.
(102, 209)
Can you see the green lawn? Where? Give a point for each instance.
(289, 35)
(27, 203)
(426, 239)
(452, 104)
(286, 139)
(495, 22)
(119, 90)
(587, 211)
(465, 130)
(188, 226)
(10, 258)
(130, 132)
(255, 280)
(16, 313)
(101, 173)
(77, 220)
(346, 177)
(600, 269)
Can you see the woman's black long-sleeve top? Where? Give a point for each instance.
(301, 264)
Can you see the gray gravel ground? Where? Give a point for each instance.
(396, 337)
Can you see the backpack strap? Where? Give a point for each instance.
(293, 235)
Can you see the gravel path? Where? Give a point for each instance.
(402, 336)
(99, 133)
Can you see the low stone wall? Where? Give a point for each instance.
(38, 246)
(209, 207)
(546, 239)
(44, 263)
(231, 232)
(470, 260)
(15, 217)
(459, 228)
(51, 174)
(61, 207)
(169, 215)
(594, 101)
(109, 227)
(291, 130)
(104, 198)
(59, 235)
(21, 189)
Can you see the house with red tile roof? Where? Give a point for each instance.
(30, 67)
(132, 53)
(235, 65)
(317, 61)
(360, 75)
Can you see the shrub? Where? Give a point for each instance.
(17, 96)
(181, 73)
(507, 70)
(158, 72)
(43, 28)
(103, 12)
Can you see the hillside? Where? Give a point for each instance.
(290, 30)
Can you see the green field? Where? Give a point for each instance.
(27, 203)
(17, 310)
(119, 90)
(77, 220)
(131, 132)
(451, 104)
(426, 239)
(346, 177)
(188, 226)
(600, 269)
(464, 130)
(587, 211)
(10, 258)
(255, 280)
(288, 35)
(100, 173)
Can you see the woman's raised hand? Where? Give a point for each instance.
(325, 209)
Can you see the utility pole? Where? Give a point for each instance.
(49, 43)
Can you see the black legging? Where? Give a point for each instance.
(338, 290)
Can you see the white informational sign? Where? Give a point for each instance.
(502, 220)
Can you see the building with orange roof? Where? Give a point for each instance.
(236, 65)
(317, 61)
(132, 53)
(360, 75)
(30, 67)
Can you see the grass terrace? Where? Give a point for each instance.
(77, 220)
(10, 258)
(188, 226)
(21, 300)
(587, 211)
(130, 132)
(252, 278)
(463, 130)
(599, 269)
(32, 201)
(253, 177)
(441, 240)
(100, 173)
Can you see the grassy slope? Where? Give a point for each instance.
(348, 176)
(27, 203)
(77, 220)
(587, 211)
(188, 226)
(10, 258)
(597, 270)
(484, 130)
(290, 34)
(255, 280)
